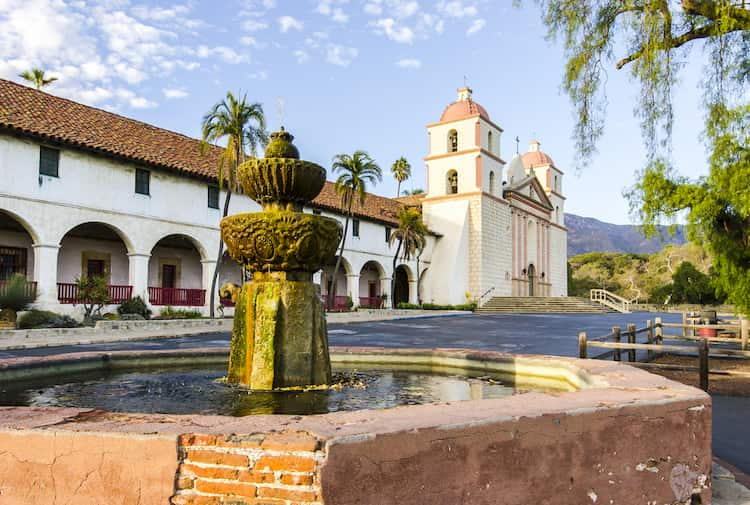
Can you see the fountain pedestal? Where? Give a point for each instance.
(280, 336)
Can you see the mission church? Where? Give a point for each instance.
(89, 192)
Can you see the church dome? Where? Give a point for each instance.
(536, 157)
(464, 107)
(516, 170)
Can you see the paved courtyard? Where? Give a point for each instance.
(515, 333)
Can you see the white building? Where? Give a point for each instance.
(89, 192)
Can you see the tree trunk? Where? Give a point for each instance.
(398, 189)
(212, 295)
(393, 276)
(332, 293)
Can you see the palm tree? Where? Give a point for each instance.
(410, 235)
(418, 191)
(232, 118)
(357, 171)
(36, 77)
(401, 171)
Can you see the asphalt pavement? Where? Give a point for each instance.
(555, 334)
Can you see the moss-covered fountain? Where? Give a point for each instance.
(280, 337)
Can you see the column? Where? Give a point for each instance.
(138, 274)
(413, 292)
(45, 274)
(208, 276)
(352, 288)
(385, 288)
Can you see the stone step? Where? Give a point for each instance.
(538, 304)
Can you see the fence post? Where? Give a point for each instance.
(649, 340)
(703, 363)
(631, 340)
(582, 344)
(616, 331)
(659, 331)
(744, 330)
(684, 324)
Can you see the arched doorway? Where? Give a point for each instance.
(175, 273)
(369, 285)
(531, 272)
(339, 299)
(93, 249)
(16, 252)
(401, 286)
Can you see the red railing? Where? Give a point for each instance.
(68, 293)
(181, 297)
(369, 302)
(29, 291)
(338, 304)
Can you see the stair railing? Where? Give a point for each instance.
(611, 300)
(479, 302)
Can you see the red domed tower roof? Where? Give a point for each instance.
(535, 157)
(464, 107)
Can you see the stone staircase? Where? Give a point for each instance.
(540, 305)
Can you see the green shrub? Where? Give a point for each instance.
(94, 294)
(14, 295)
(404, 305)
(437, 306)
(170, 313)
(466, 306)
(35, 319)
(134, 305)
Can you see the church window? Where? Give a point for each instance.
(451, 182)
(452, 141)
(387, 234)
(213, 196)
(355, 227)
(489, 141)
(492, 182)
(142, 181)
(555, 186)
(49, 161)
(557, 215)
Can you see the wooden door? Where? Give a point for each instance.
(168, 276)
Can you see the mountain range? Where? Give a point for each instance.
(586, 234)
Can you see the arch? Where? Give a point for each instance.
(23, 223)
(182, 237)
(557, 214)
(88, 224)
(175, 272)
(453, 141)
(370, 290)
(492, 182)
(489, 141)
(402, 276)
(17, 239)
(531, 273)
(451, 182)
(326, 278)
(94, 248)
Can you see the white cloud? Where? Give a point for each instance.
(400, 34)
(251, 25)
(340, 55)
(328, 8)
(409, 63)
(302, 56)
(159, 13)
(373, 8)
(287, 23)
(261, 75)
(224, 53)
(457, 8)
(404, 9)
(172, 93)
(142, 103)
(476, 26)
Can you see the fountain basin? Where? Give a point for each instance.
(616, 433)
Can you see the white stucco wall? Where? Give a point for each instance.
(190, 271)
(448, 273)
(559, 261)
(69, 259)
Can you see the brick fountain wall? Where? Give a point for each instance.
(263, 469)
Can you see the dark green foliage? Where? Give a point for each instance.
(436, 306)
(35, 319)
(170, 313)
(14, 294)
(689, 285)
(134, 305)
(93, 293)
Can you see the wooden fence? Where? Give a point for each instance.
(729, 333)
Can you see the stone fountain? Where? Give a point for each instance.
(280, 337)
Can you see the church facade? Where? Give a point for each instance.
(502, 232)
(89, 192)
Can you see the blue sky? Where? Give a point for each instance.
(352, 74)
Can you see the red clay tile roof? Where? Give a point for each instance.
(26, 111)
(462, 109)
(412, 200)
